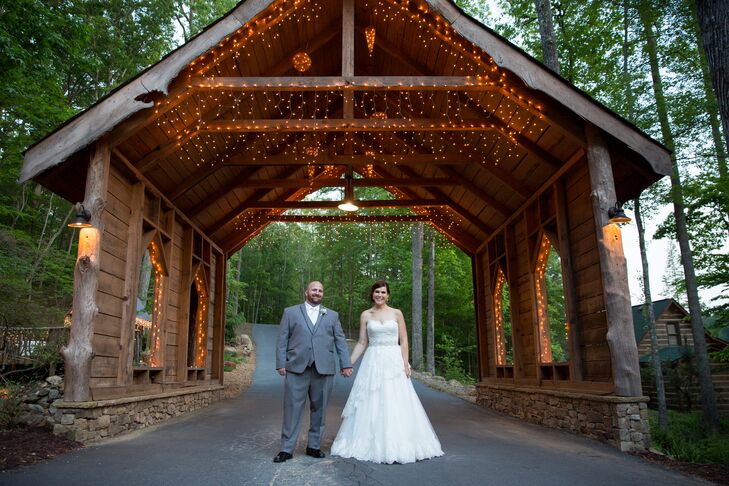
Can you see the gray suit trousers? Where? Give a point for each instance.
(296, 388)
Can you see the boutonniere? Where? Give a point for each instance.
(323, 311)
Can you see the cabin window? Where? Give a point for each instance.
(553, 327)
(674, 333)
(502, 312)
(148, 322)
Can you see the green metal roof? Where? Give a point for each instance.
(669, 353)
(640, 323)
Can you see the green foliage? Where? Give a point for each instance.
(556, 308)
(11, 405)
(685, 439)
(449, 363)
(720, 356)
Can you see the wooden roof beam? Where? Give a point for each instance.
(310, 183)
(362, 204)
(471, 156)
(341, 159)
(462, 212)
(342, 83)
(462, 181)
(461, 238)
(346, 125)
(348, 219)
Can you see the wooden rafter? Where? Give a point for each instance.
(458, 178)
(460, 210)
(342, 159)
(349, 219)
(343, 83)
(346, 125)
(368, 204)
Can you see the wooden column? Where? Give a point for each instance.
(348, 53)
(131, 283)
(512, 278)
(570, 293)
(613, 270)
(79, 352)
(479, 296)
(219, 317)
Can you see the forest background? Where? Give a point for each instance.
(58, 57)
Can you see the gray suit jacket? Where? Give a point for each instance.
(300, 342)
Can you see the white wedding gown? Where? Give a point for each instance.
(383, 419)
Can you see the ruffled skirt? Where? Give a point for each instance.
(383, 419)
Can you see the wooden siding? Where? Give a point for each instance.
(671, 314)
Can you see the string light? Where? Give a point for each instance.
(301, 62)
(370, 33)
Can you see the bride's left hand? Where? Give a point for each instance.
(408, 370)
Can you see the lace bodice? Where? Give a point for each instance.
(382, 333)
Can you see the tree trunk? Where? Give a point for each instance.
(613, 270)
(79, 352)
(234, 297)
(145, 275)
(713, 16)
(714, 117)
(417, 320)
(43, 254)
(546, 33)
(430, 315)
(710, 417)
(650, 314)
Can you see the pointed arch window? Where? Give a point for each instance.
(197, 331)
(149, 321)
(502, 315)
(552, 324)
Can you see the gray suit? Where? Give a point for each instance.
(306, 350)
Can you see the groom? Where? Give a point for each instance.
(307, 336)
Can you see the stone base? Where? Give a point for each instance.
(88, 422)
(621, 421)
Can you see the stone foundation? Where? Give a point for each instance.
(92, 421)
(621, 421)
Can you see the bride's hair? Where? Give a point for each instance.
(377, 285)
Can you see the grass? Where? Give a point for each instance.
(686, 441)
(227, 356)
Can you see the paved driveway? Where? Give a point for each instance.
(232, 443)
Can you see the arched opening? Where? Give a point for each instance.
(148, 322)
(502, 318)
(552, 324)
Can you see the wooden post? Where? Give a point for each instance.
(79, 352)
(565, 250)
(480, 294)
(613, 270)
(219, 317)
(131, 282)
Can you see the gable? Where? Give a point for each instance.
(442, 112)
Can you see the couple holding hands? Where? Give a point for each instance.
(383, 420)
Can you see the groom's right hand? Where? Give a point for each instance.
(281, 371)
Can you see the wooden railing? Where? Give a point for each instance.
(17, 344)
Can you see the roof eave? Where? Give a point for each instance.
(98, 120)
(513, 59)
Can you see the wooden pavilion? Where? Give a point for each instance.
(185, 163)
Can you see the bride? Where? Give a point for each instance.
(383, 420)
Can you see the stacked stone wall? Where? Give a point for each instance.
(621, 421)
(92, 421)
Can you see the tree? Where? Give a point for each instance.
(710, 416)
(546, 33)
(430, 314)
(417, 297)
(650, 317)
(713, 19)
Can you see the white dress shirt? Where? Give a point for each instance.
(313, 312)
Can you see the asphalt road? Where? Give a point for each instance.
(232, 443)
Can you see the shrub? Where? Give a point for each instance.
(685, 440)
(11, 405)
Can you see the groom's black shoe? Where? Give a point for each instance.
(315, 453)
(282, 457)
